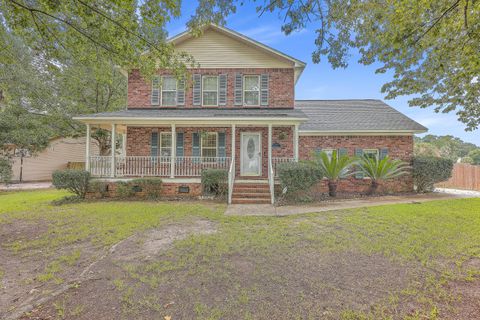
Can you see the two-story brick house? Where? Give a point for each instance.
(237, 111)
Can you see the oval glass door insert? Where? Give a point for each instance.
(250, 148)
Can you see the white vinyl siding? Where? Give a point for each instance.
(210, 91)
(251, 90)
(165, 147)
(209, 144)
(169, 91)
(229, 53)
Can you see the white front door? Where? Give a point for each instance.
(251, 154)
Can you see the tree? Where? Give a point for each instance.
(432, 47)
(443, 146)
(334, 168)
(381, 170)
(475, 156)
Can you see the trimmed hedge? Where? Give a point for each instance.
(298, 177)
(215, 181)
(75, 181)
(430, 170)
(150, 187)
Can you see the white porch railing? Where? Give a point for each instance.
(231, 180)
(277, 161)
(146, 166)
(193, 166)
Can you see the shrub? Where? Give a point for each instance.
(76, 181)
(215, 181)
(124, 190)
(152, 187)
(430, 170)
(298, 177)
(333, 168)
(5, 170)
(379, 170)
(100, 188)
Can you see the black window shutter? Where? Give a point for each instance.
(179, 151)
(197, 89)
(264, 90)
(181, 92)
(195, 144)
(222, 89)
(154, 144)
(383, 153)
(238, 99)
(155, 97)
(221, 152)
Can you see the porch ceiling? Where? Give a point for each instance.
(197, 116)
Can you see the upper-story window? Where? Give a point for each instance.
(169, 91)
(210, 91)
(251, 90)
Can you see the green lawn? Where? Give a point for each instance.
(409, 261)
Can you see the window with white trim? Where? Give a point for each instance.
(165, 144)
(209, 144)
(169, 91)
(251, 90)
(329, 153)
(371, 153)
(210, 90)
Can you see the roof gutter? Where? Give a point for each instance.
(358, 132)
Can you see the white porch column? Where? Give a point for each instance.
(173, 152)
(269, 145)
(87, 149)
(124, 143)
(295, 143)
(233, 143)
(113, 149)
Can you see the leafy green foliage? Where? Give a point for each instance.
(298, 177)
(75, 181)
(475, 156)
(430, 170)
(334, 168)
(381, 170)
(98, 188)
(432, 47)
(124, 190)
(443, 146)
(5, 170)
(215, 181)
(151, 187)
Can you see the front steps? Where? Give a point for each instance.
(251, 193)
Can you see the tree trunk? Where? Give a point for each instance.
(373, 187)
(332, 188)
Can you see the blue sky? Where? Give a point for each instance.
(321, 81)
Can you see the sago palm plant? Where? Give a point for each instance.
(334, 168)
(381, 170)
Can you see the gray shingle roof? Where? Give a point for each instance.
(201, 113)
(351, 115)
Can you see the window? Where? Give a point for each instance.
(165, 144)
(371, 153)
(329, 153)
(208, 144)
(169, 91)
(251, 90)
(210, 91)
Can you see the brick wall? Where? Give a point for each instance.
(169, 190)
(138, 141)
(399, 147)
(281, 87)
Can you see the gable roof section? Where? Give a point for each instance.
(181, 39)
(354, 116)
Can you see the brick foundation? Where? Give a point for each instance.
(399, 147)
(169, 190)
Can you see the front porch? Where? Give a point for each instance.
(250, 153)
